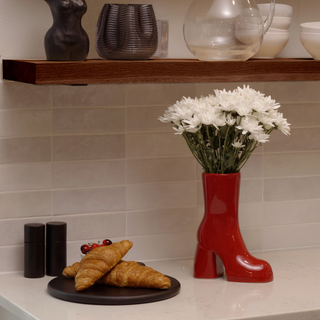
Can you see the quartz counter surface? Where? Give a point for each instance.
(293, 295)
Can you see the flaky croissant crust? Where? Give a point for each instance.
(132, 274)
(71, 271)
(127, 274)
(98, 262)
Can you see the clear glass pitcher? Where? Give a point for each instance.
(225, 29)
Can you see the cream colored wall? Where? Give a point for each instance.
(97, 158)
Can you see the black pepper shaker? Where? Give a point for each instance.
(56, 248)
(34, 235)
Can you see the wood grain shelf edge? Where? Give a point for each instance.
(42, 72)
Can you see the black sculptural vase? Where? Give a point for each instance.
(66, 39)
(126, 32)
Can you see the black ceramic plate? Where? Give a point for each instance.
(63, 288)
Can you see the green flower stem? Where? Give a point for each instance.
(211, 144)
(219, 156)
(203, 148)
(224, 150)
(192, 149)
(193, 146)
(211, 154)
(244, 158)
(236, 153)
(270, 130)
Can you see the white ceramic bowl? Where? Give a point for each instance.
(310, 27)
(248, 24)
(272, 44)
(273, 30)
(248, 36)
(283, 23)
(311, 42)
(281, 10)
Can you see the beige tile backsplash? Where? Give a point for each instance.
(160, 170)
(89, 96)
(293, 91)
(25, 177)
(25, 149)
(162, 221)
(302, 114)
(88, 147)
(289, 189)
(150, 144)
(300, 140)
(97, 157)
(136, 119)
(34, 97)
(34, 122)
(291, 164)
(15, 205)
(158, 94)
(88, 120)
(88, 174)
(161, 195)
(110, 223)
(89, 200)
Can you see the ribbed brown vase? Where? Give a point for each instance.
(126, 32)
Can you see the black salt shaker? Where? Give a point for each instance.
(56, 248)
(34, 235)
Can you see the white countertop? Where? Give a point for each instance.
(294, 294)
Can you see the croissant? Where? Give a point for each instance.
(128, 274)
(71, 271)
(132, 274)
(98, 262)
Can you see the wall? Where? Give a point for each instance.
(98, 158)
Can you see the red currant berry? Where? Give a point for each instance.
(94, 245)
(107, 242)
(84, 248)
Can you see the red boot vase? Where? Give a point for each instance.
(219, 236)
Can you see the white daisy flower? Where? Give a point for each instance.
(238, 144)
(259, 136)
(249, 124)
(266, 120)
(282, 124)
(226, 100)
(193, 124)
(244, 109)
(230, 121)
(179, 129)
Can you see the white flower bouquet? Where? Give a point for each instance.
(223, 130)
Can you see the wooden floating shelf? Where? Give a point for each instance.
(42, 72)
